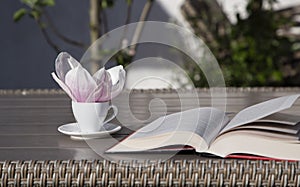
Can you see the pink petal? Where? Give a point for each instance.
(93, 97)
(106, 92)
(80, 83)
(102, 92)
(63, 86)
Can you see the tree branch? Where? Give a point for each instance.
(94, 33)
(59, 35)
(125, 56)
(128, 16)
(140, 26)
(104, 21)
(94, 20)
(46, 36)
(127, 20)
(99, 14)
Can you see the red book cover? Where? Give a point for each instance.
(254, 157)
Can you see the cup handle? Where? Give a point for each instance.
(113, 115)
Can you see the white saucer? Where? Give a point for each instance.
(72, 129)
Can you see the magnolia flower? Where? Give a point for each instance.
(78, 83)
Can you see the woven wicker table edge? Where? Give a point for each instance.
(210, 172)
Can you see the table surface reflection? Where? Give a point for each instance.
(29, 118)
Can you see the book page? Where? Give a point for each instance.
(275, 136)
(273, 127)
(154, 143)
(205, 122)
(237, 142)
(261, 110)
(286, 119)
(195, 127)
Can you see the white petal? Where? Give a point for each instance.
(117, 88)
(99, 76)
(114, 73)
(80, 83)
(63, 64)
(63, 86)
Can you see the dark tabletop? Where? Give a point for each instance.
(29, 118)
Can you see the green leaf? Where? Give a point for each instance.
(35, 14)
(128, 2)
(43, 25)
(104, 4)
(48, 2)
(107, 3)
(30, 3)
(19, 14)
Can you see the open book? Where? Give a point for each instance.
(256, 130)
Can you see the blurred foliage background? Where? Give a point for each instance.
(255, 51)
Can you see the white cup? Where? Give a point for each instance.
(90, 116)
